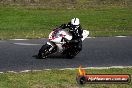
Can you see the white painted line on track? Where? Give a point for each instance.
(98, 67)
(121, 36)
(90, 37)
(46, 38)
(108, 67)
(24, 71)
(11, 72)
(26, 44)
(1, 72)
(18, 39)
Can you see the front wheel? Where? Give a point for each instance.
(44, 51)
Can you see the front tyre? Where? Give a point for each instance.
(44, 51)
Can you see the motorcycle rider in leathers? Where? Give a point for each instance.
(76, 30)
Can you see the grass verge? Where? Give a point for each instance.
(58, 79)
(21, 22)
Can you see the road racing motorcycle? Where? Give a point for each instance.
(58, 43)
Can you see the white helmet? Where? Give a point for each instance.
(75, 21)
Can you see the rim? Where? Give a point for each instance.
(44, 54)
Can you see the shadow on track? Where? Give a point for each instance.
(53, 56)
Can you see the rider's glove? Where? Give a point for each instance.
(63, 26)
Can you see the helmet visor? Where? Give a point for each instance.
(74, 26)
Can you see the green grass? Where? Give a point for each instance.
(21, 22)
(58, 79)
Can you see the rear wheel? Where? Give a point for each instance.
(71, 53)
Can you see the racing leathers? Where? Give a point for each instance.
(76, 32)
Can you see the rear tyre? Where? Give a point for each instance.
(70, 54)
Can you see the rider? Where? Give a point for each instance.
(76, 30)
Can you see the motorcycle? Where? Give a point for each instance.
(58, 43)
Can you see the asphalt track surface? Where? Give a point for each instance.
(18, 55)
